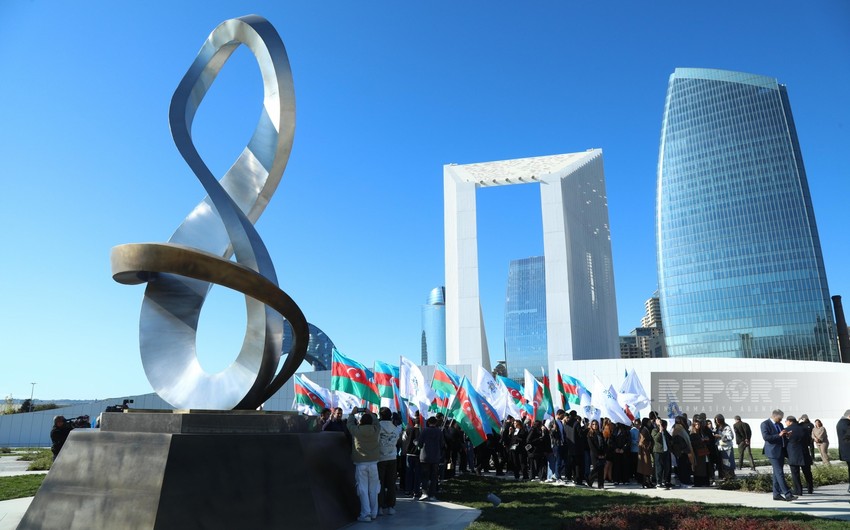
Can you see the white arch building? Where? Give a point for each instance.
(580, 303)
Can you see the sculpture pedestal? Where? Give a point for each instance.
(188, 479)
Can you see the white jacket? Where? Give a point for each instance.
(389, 437)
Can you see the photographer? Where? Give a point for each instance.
(59, 433)
(365, 454)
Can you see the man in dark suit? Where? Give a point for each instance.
(804, 421)
(843, 430)
(774, 449)
(743, 434)
(798, 442)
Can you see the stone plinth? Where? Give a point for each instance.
(172, 470)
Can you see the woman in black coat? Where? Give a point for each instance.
(517, 439)
(598, 447)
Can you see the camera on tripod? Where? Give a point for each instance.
(119, 408)
(80, 422)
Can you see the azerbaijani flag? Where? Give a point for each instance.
(440, 403)
(560, 388)
(548, 405)
(573, 389)
(445, 380)
(474, 416)
(399, 403)
(385, 375)
(347, 375)
(514, 389)
(307, 399)
(533, 394)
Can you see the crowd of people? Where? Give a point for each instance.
(570, 450)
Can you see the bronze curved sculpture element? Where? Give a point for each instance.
(180, 273)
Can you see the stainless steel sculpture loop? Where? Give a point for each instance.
(180, 273)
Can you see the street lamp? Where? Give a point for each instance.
(32, 393)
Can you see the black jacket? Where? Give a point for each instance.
(797, 445)
(843, 431)
(742, 432)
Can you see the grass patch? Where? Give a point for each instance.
(535, 505)
(34, 454)
(42, 461)
(763, 482)
(19, 486)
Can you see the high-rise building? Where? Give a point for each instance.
(646, 341)
(525, 317)
(434, 327)
(740, 269)
(581, 309)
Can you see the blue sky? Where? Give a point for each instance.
(387, 93)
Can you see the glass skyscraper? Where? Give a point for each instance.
(740, 269)
(525, 317)
(434, 327)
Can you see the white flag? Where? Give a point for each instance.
(632, 393)
(605, 399)
(413, 388)
(490, 390)
(345, 401)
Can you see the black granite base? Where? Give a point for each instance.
(127, 479)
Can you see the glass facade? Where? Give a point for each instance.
(434, 327)
(740, 269)
(525, 318)
(319, 347)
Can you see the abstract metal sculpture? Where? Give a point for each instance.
(180, 273)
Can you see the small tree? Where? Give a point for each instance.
(8, 405)
(26, 406)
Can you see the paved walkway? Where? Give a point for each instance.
(827, 501)
(11, 466)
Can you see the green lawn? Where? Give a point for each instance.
(19, 486)
(535, 505)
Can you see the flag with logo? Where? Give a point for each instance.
(347, 375)
(491, 391)
(605, 399)
(632, 394)
(413, 387)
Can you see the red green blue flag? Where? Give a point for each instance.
(385, 375)
(347, 375)
(573, 389)
(308, 399)
(445, 380)
(514, 389)
(472, 412)
(548, 404)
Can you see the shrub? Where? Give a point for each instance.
(42, 462)
(32, 456)
(763, 482)
(5, 450)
